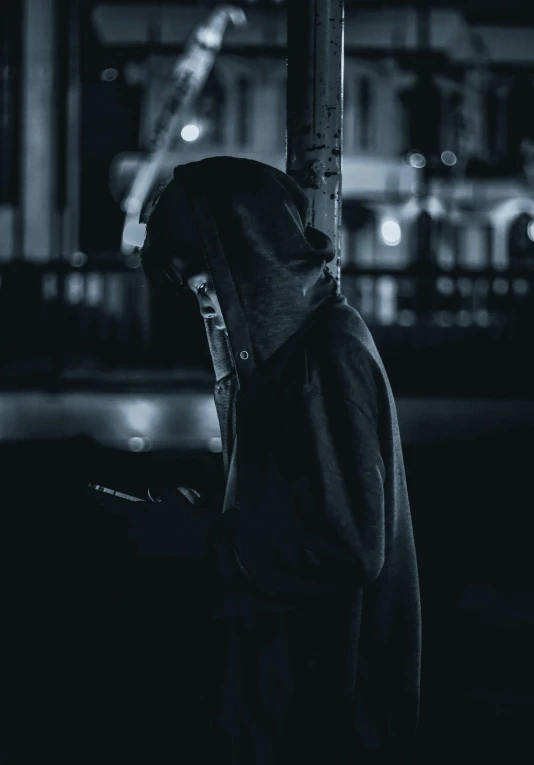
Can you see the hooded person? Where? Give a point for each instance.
(310, 561)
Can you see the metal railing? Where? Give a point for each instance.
(91, 314)
(449, 332)
(439, 332)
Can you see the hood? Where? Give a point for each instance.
(249, 222)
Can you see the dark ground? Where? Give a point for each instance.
(81, 617)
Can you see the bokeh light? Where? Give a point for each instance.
(448, 158)
(190, 132)
(417, 160)
(109, 75)
(390, 232)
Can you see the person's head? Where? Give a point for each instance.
(170, 264)
(245, 225)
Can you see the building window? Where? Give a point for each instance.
(10, 56)
(520, 117)
(243, 111)
(281, 122)
(210, 110)
(361, 227)
(404, 108)
(422, 105)
(492, 123)
(446, 251)
(454, 122)
(365, 98)
(424, 238)
(520, 243)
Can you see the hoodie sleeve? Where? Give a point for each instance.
(317, 525)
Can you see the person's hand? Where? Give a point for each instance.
(157, 495)
(190, 494)
(173, 524)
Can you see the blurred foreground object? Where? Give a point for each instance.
(188, 77)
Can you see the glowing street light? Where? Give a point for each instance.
(190, 132)
(530, 230)
(390, 232)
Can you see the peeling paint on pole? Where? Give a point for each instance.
(315, 110)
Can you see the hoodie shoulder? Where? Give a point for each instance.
(343, 335)
(343, 361)
(344, 324)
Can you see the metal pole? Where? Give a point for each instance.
(315, 110)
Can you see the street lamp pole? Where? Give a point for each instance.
(315, 58)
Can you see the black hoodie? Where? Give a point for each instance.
(315, 572)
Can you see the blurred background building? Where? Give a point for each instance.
(438, 171)
(437, 255)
